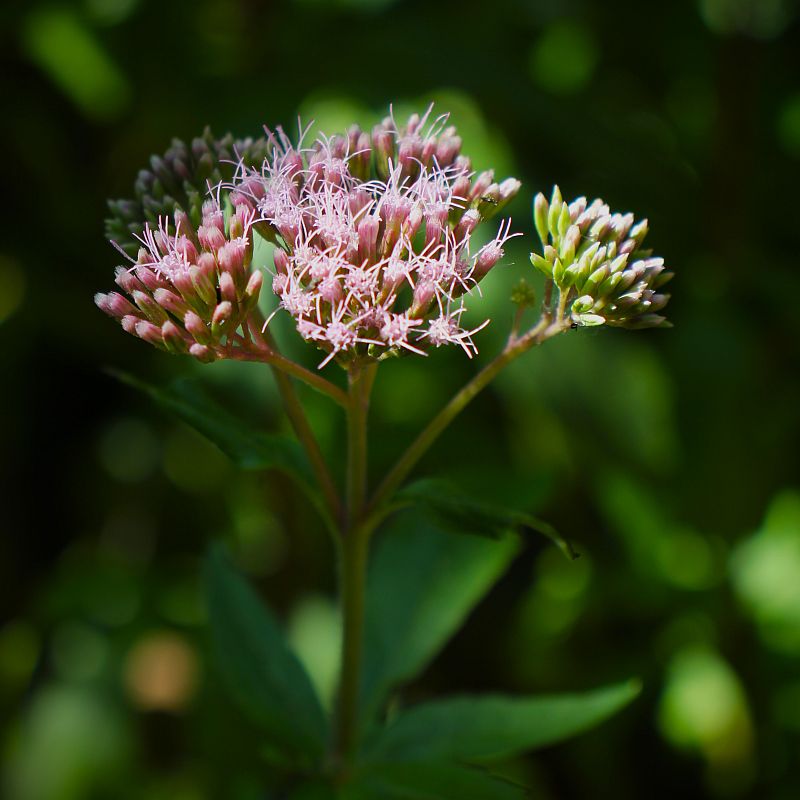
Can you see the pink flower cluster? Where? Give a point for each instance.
(373, 235)
(190, 289)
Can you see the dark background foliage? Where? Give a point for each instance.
(670, 458)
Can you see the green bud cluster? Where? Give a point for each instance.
(179, 180)
(596, 259)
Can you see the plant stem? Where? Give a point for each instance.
(300, 424)
(543, 330)
(263, 348)
(353, 555)
(354, 549)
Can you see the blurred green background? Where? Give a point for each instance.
(669, 458)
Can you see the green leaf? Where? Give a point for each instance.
(422, 583)
(429, 781)
(456, 511)
(491, 727)
(248, 449)
(257, 665)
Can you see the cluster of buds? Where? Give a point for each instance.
(373, 235)
(595, 258)
(179, 179)
(190, 290)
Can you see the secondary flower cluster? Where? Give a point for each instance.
(189, 287)
(595, 258)
(179, 179)
(373, 235)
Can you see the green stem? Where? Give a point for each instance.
(354, 549)
(263, 349)
(300, 424)
(544, 330)
(353, 553)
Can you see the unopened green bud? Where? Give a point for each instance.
(542, 264)
(583, 304)
(558, 272)
(610, 284)
(618, 264)
(540, 209)
(589, 320)
(554, 212)
(570, 243)
(564, 220)
(595, 279)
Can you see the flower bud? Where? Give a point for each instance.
(481, 184)
(540, 211)
(115, 305)
(227, 287)
(383, 146)
(202, 353)
(197, 328)
(127, 280)
(460, 190)
(423, 295)
(281, 260)
(542, 264)
(172, 338)
(203, 286)
(211, 237)
(583, 304)
(150, 308)
(486, 259)
(467, 224)
(222, 319)
(171, 302)
(253, 290)
(150, 333)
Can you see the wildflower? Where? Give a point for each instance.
(189, 287)
(374, 233)
(596, 259)
(178, 179)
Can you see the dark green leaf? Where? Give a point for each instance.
(428, 781)
(257, 664)
(491, 727)
(422, 584)
(456, 511)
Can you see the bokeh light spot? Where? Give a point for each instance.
(703, 707)
(63, 47)
(564, 58)
(160, 672)
(765, 570)
(315, 633)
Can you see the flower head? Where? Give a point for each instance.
(189, 288)
(596, 259)
(374, 234)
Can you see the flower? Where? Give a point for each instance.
(596, 259)
(373, 234)
(189, 288)
(178, 179)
